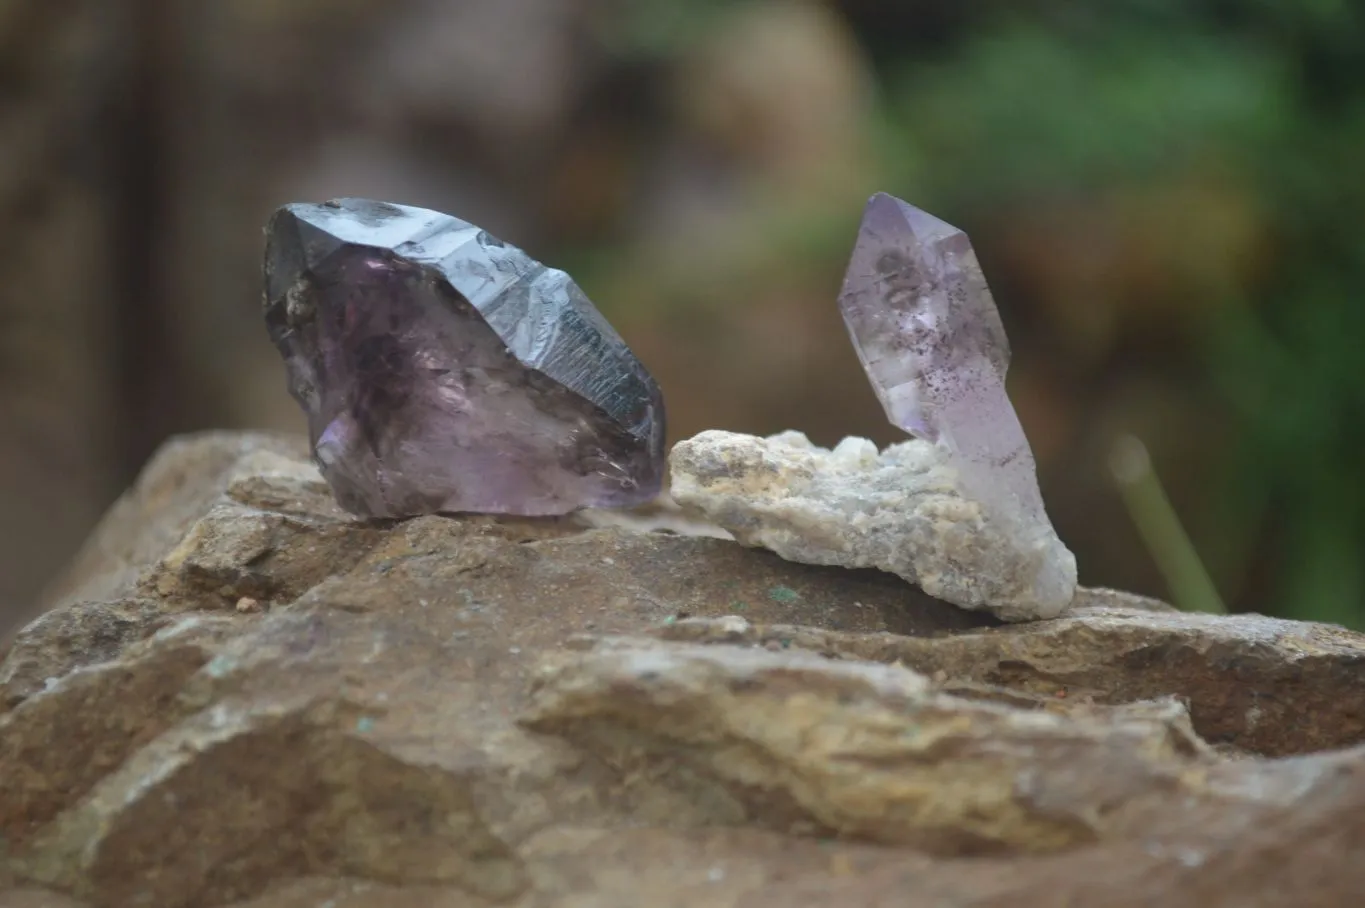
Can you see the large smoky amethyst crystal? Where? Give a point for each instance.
(442, 369)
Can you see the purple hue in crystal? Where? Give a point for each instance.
(442, 369)
(930, 338)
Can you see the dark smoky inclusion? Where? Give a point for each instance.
(442, 369)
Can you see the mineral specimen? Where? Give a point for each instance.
(957, 509)
(442, 369)
(900, 510)
(930, 339)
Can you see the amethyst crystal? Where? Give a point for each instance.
(442, 369)
(930, 338)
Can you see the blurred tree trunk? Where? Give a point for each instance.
(90, 377)
(59, 76)
(153, 392)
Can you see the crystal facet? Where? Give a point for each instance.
(930, 338)
(442, 369)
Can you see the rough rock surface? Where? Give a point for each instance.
(245, 697)
(902, 510)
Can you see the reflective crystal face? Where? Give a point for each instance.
(444, 370)
(930, 338)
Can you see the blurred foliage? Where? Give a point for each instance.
(1268, 97)
(1207, 155)
(1165, 196)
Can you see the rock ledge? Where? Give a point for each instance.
(242, 696)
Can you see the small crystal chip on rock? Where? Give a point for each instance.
(442, 369)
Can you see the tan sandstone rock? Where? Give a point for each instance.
(467, 711)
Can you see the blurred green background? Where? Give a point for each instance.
(1167, 196)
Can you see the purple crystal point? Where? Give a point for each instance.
(442, 369)
(930, 338)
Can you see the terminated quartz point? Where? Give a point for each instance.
(930, 338)
(442, 369)
(956, 509)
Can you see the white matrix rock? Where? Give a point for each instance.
(902, 510)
